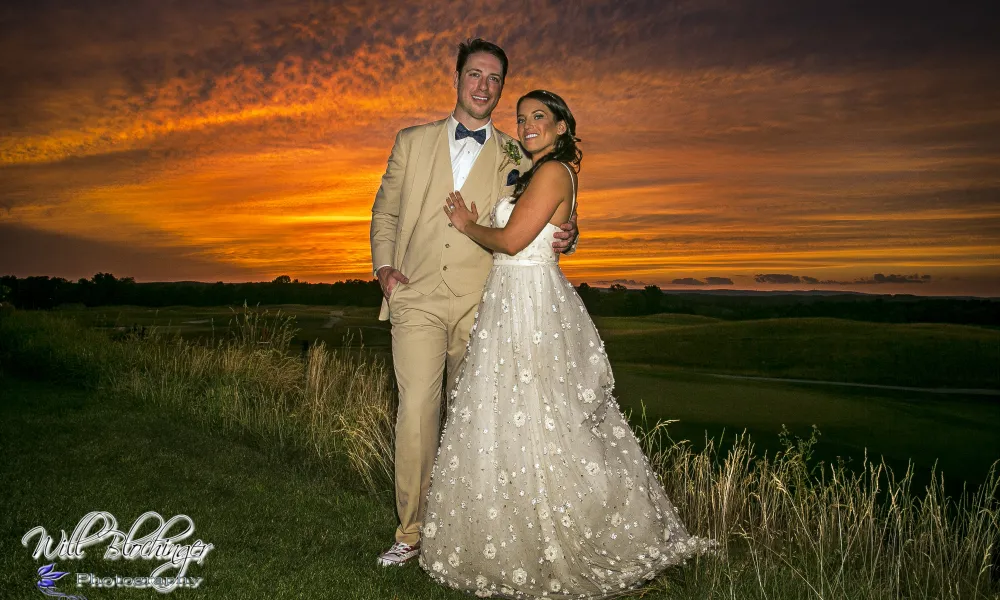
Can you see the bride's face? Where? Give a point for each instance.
(537, 127)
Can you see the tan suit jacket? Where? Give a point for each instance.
(409, 229)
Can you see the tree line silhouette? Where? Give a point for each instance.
(104, 289)
(621, 301)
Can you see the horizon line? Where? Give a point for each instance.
(834, 289)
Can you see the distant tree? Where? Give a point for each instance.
(614, 302)
(282, 279)
(105, 289)
(634, 304)
(39, 292)
(591, 297)
(653, 295)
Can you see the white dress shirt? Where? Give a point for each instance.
(464, 152)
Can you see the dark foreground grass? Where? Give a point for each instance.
(282, 527)
(271, 473)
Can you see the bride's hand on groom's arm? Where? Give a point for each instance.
(459, 214)
(566, 238)
(388, 278)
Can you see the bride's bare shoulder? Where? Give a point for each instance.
(554, 174)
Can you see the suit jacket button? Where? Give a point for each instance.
(446, 267)
(447, 245)
(451, 224)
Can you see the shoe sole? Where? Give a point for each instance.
(390, 563)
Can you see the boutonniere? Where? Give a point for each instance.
(511, 152)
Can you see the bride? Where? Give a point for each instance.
(539, 487)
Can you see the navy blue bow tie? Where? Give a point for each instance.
(462, 132)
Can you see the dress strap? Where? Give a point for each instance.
(572, 182)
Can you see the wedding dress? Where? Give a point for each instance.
(539, 487)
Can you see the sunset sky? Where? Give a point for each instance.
(762, 144)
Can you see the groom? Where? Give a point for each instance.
(432, 276)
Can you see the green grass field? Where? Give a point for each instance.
(956, 432)
(662, 361)
(329, 324)
(918, 355)
(265, 451)
(281, 527)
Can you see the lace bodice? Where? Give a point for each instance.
(540, 249)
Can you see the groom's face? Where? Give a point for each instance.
(479, 85)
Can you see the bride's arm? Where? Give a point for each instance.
(549, 188)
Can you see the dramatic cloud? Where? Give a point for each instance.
(625, 282)
(878, 278)
(74, 258)
(721, 138)
(718, 281)
(778, 278)
(706, 281)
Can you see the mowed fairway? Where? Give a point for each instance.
(959, 432)
(918, 355)
(668, 363)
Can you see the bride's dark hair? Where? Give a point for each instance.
(564, 150)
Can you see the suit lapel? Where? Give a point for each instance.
(428, 150)
(442, 180)
(481, 184)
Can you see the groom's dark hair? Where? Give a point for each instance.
(473, 45)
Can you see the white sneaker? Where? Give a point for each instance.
(398, 555)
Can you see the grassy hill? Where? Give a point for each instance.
(271, 453)
(282, 527)
(919, 355)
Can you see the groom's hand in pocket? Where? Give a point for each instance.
(389, 278)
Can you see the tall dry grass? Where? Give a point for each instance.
(331, 403)
(787, 526)
(790, 527)
(351, 397)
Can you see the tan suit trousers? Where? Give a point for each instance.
(429, 335)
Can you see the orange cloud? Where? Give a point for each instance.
(258, 144)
